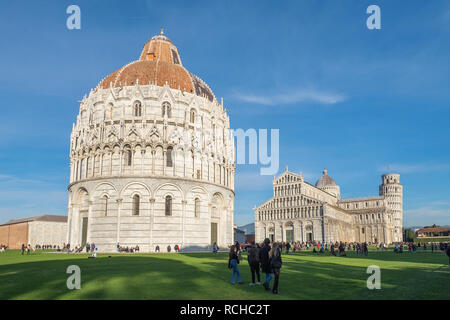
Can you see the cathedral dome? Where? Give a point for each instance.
(325, 180)
(158, 64)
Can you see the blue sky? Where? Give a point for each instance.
(344, 97)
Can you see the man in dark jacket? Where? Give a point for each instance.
(288, 246)
(365, 249)
(265, 263)
(253, 262)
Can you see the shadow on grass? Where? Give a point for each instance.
(206, 276)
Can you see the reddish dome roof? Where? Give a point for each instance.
(159, 63)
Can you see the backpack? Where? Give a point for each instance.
(275, 263)
(253, 254)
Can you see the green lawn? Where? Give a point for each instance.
(420, 275)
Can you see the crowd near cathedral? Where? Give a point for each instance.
(301, 212)
(152, 164)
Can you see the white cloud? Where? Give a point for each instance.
(298, 95)
(426, 215)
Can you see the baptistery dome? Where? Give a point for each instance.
(159, 63)
(151, 159)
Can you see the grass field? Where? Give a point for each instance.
(304, 275)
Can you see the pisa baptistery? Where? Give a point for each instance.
(151, 159)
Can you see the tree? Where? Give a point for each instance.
(408, 235)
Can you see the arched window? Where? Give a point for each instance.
(137, 109)
(192, 116)
(105, 206)
(136, 202)
(169, 162)
(168, 209)
(87, 167)
(166, 110)
(129, 157)
(197, 207)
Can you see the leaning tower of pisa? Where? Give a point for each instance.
(392, 190)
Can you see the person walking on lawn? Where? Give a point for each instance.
(275, 264)
(365, 249)
(265, 263)
(215, 248)
(253, 262)
(233, 262)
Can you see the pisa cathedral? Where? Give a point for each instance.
(151, 159)
(299, 211)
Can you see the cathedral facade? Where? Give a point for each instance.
(302, 212)
(151, 159)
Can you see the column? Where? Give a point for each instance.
(152, 221)
(132, 160)
(71, 171)
(183, 219)
(119, 207)
(101, 163)
(120, 162)
(209, 222)
(226, 224)
(93, 164)
(297, 231)
(69, 221)
(142, 161)
(110, 162)
(74, 238)
(282, 232)
(153, 161)
(90, 203)
(164, 162)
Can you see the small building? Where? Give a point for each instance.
(433, 232)
(249, 238)
(40, 230)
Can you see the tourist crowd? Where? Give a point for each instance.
(267, 258)
(264, 257)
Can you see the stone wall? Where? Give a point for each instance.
(47, 233)
(14, 235)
